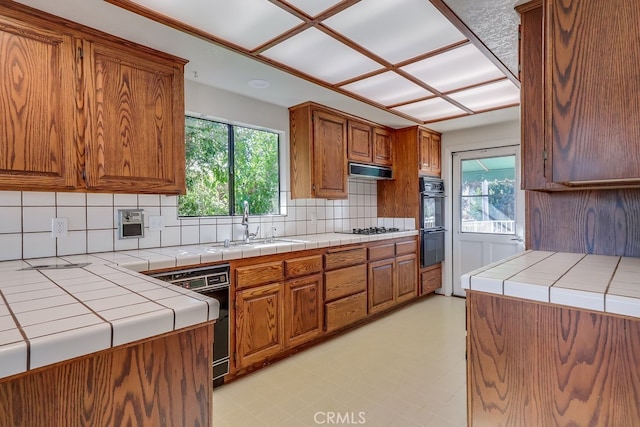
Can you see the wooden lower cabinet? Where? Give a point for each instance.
(406, 277)
(302, 310)
(381, 285)
(259, 323)
(345, 311)
(159, 381)
(538, 364)
(430, 279)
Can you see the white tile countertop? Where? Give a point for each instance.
(610, 284)
(51, 315)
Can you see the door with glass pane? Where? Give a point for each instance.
(488, 209)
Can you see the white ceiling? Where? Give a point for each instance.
(393, 85)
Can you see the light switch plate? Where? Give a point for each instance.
(156, 223)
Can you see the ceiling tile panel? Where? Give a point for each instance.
(454, 69)
(395, 30)
(246, 23)
(321, 56)
(489, 96)
(387, 89)
(431, 109)
(313, 7)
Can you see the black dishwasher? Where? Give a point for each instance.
(212, 281)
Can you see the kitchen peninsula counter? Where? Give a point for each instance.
(609, 284)
(52, 314)
(554, 339)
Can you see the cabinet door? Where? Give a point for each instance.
(431, 279)
(360, 142)
(259, 323)
(593, 91)
(330, 155)
(407, 277)
(382, 147)
(135, 122)
(381, 285)
(345, 311)
(435, 153)
(424, 145)
(303, 310)
(36, 108)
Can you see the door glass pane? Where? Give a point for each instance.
(488, 199)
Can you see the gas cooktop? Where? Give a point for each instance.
(370, 230)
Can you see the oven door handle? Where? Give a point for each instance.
(431, 195)
(441, 230)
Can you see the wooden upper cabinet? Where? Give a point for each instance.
(382, 147)
(429, 152)
(135, 115)
(318, 139)
(36, 107)
(82, 110)
(584, 103)
(360, 142)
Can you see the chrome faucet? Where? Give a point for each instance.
(246, 237)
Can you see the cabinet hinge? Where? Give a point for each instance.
(84, 174)
(80, 53)
(544, 155)
(234, 356)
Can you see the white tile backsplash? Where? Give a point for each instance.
(25, 229)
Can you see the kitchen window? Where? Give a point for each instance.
(227, 164)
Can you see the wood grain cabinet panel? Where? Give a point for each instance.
(360, 142)
(430, 279)
(259, 274)
(345, 281)
(135, 109)
(303, 266)
(532, 364)
(259, 323)
(579, 116)
(161, 381)
(408, 247)
(343, 257)
(379, 252)
(37, 148)
(382, 285)
(318, 146)
(424, 145)
(83, 110)
(303, 310)
(436, 153)
(382, 147)
(346, 311)
(407, 277)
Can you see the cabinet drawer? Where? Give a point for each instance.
(337, 258)
(345, 311)
(381, 252)
(345, 281)
(303, 266)
(258, 274)
(430, 280)
(405, 248)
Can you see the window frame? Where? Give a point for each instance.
(231, 164)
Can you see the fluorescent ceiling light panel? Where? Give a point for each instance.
(313, 7)
(457, 68)
(247, 23)
(431, 109)
(321, 56)
(387, 89)
(489, 96)
(395, 30)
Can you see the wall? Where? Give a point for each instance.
(25, 217)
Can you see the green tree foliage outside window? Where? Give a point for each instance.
(227, 164)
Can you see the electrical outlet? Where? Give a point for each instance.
(59, 227)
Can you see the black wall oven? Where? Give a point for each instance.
(432, 201)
